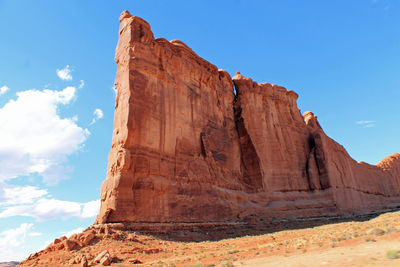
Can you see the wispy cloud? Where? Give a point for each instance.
(11, 239)
(97, 115)
(17, 195)
(65, 73)
(366, 123)
(4, 89)
(81, 84)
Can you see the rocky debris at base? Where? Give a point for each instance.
(103, 258)
(84, 262)
(76, 241)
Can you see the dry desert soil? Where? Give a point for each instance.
(358, 241)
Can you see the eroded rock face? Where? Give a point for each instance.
(186, 149)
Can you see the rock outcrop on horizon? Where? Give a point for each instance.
(185, 148)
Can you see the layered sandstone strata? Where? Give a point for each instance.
(187, 149)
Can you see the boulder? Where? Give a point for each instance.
(84, 262)
(100, 256)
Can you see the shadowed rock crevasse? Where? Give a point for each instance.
(186, 149)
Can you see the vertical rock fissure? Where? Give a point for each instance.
(203, 149)
(250, 162)
(310, 158)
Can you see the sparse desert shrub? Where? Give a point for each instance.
(233, 251)
(344, 237)
(369, 239)
(392, 254)
(376, 231)
(227, 264)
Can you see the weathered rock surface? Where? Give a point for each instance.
(186, 149)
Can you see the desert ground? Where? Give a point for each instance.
(358, 241)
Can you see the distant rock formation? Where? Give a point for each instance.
(9, 264)
(185, 148)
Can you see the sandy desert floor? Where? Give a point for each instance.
(374, 242)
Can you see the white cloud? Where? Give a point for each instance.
(35, 234)
(31, 201)
(17, 195)
(98, 114)
(33, 136)
(65, 73)
(366, 124)
(369, 125)
(49, 208)
(44, 209)
(81, 84)
(90, 209)
(3, 89)
(12, 239)
(74, 231)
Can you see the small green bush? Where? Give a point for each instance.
(392, 254)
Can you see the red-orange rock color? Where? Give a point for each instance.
(186, 149)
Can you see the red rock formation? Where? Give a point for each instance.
(186, 149)
(391, 163)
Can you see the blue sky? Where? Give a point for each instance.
(57, 73)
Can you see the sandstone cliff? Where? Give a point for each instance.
(186, 149)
